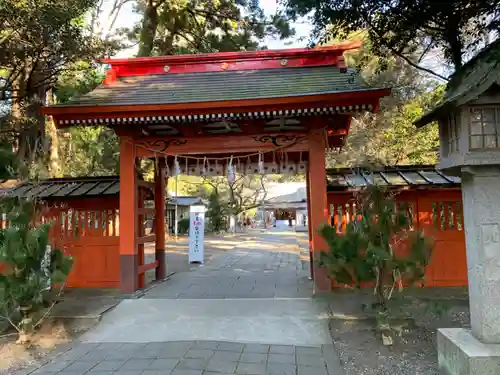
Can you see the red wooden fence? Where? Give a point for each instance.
(438, 213)
(92, 239)
(89, 232)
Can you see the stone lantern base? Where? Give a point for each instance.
(460, 353)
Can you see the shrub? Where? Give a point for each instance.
(183, 226)
(30, 267)
(216, 213)
(365, 253)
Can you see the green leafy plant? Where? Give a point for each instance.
(183, 226)
(366, 253)
(216, 213)
(30, 266)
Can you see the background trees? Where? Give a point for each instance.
(389, 137)
(191, 26)
(39, 39)
(410, 29)
(49, 52)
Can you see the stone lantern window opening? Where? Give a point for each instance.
(484, 128)
(453, 133)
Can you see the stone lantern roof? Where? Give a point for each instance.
(476, 77)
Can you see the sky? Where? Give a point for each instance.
(128, 17)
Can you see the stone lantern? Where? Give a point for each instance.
(469, 132)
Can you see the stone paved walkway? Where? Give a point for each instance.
(265, 265)
(194, 358)
(247, 312)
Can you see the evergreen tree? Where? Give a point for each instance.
(366, 252)
(30, 266)
(216, 213)
(194, 26)
(403, 27)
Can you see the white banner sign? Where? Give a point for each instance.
(196, 234)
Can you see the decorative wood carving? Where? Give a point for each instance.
(161, 145)
(277, 140)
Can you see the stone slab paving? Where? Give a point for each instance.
(193, 358)
(290, 321)
(248, 311)
(265, 266)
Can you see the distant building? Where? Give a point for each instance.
(183, 204)
(288, 209)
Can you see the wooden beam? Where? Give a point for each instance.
(146, 267)
(146, 239)
(309, 231)
(234, 143)
(146, 211)
(160, 184)
(146, 184)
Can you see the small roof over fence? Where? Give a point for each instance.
(404, 177)
(67, 188)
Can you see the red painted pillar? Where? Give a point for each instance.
(160, 219)
(318, 203)
(309, 231)
(128, 217)
(141, 232)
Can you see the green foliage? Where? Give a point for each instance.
(406, 27)
(28, 268)
(8, 162)
(40, 38)
(89, 151)
(194, 26)
(85, 151)
(183, 226)
(365, 253)
(81, 79)
(390, 137)
(216, 213)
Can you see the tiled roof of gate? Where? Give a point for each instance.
(221, 86)
(394, 177)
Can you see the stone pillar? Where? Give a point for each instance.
(128, 217)
(318, 204)
(481, 201)
(477, 351)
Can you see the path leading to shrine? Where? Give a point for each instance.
(249, 311)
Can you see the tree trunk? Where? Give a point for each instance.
(53, 140)
(17, 111)
(34, 133)
(148, 30)
(29, 96)
(455, 44)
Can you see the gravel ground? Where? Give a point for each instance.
(361, 350)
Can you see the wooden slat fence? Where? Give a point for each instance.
(437, 212)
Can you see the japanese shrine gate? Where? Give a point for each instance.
(272, 111)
